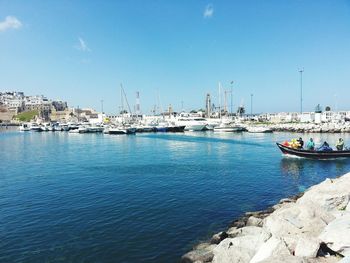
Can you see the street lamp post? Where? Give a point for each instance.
(102, 106)
(251, 104)
(301, 90)
(231, 99)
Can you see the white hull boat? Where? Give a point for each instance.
(121, 130)
(24, 127)
(192, 123)
(227, 129)
(255, 129)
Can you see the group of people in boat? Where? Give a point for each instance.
(310, 145)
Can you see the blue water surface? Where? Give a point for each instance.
(143, 198)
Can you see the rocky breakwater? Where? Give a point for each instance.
(314, 227)
(312, 128)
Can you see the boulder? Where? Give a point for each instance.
(345, 260)
(272, 247)
(337, 235)
(242, 247)
(248, 231)
(217, 238)
(307, 247)
(284, 259)
(331, 195)
(254, 221)
(201, 254)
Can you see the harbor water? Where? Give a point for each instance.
(139, 198)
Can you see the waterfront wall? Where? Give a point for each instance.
(313, 227)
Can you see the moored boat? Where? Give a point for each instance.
(24, 127)
(313, 154)
(258, 129)
(226, 127)
(191, 123)
(120, 130)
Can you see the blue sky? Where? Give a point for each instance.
(80, 51)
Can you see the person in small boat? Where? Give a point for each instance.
(301, 143)
(294, 143)
(325, 148)
(340, 144)
(310, 145)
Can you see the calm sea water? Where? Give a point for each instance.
(143, 198)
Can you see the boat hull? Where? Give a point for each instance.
(195, 127)
(228, 129)
(313, 154)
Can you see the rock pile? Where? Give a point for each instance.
(314, 227)
(311, 128)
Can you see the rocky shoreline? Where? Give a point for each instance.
(311, 127)
(309, 227)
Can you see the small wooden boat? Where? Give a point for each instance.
(313, 154)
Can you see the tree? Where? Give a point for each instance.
(328, 108)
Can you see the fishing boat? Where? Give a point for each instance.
(313, 154)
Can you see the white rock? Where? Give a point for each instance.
(345, 260)
(284, 259)
(254, 221)
(307, 247)
(271, 247)
(247, 230)
(241, 248)
(337, 235)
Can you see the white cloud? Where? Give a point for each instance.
(10, 22)
(209, 11)
(82, 46)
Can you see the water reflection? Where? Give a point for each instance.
(295, 167)
(292, 167)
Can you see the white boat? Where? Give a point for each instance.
(24, 127)
(95, 129)
(74, 131)
(120, 130)
(35, 127)
(191, 123)
(258, 129)
(83, 129)
(227, 128)
(64, 127)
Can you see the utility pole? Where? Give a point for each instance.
(301, 90)
(251, 104)
(220, 100)
(231, 98)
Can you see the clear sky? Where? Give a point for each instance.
(80, 51)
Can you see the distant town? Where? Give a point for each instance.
(17, 107)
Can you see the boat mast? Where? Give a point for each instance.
(220, 100)
(126, 99)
